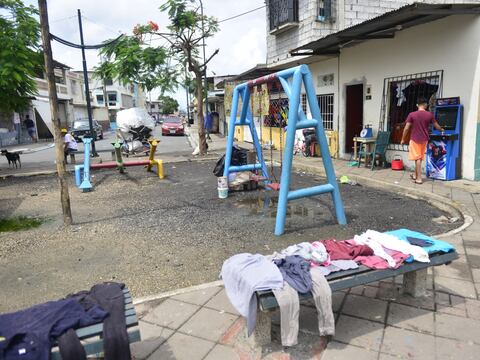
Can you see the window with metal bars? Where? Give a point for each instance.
(325, 10)
(304, 103)
(400, 97)
(325, 102)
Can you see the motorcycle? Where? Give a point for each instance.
(135, 141)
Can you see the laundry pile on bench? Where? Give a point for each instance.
(33, 332)
(314, 270)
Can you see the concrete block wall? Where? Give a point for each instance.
(347, 13)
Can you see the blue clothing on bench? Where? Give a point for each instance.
(437, 245)
(29, 334)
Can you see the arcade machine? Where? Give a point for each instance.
(443, 149)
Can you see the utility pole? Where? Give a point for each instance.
(85, 77)
(52, 95)
(187, 89)
(204, 65)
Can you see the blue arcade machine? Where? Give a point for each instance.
(443, 150)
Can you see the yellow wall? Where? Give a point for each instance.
(277, 142)
(332, 138)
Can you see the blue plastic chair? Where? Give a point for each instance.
(380, 148)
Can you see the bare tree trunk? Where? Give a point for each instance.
(201, 121)
(52, 95)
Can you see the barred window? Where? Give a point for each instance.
(304, 103)
(325, 102)
(325, 10)
(400, 95)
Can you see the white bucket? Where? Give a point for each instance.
(222, 182)
(222, 193)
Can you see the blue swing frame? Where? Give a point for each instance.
(296, 120)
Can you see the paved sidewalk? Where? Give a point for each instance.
(372, 322)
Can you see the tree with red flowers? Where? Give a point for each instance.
(131, 59)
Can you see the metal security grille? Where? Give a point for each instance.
(282, 12)
(278, 113)
(304, 103)
(400, 97)
(325, 102)
(324, 10)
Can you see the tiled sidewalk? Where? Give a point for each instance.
(372, 322)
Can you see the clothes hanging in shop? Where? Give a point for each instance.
(243, 275)
(289, 304)
(30, 333)
(296, 272)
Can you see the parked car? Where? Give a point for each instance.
(81, 128)
(173, 125)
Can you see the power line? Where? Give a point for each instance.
(101, 25)
(245, 13)
(62, 19)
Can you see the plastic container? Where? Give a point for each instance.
(397, 163)
(222, 193)
(222, 182)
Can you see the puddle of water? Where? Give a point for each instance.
(267, 206)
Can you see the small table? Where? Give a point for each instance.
(362, 140)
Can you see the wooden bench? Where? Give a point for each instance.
(92, 336)
(414, 283)
(72, 154)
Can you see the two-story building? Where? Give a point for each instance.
(115, 96)
(372, 59)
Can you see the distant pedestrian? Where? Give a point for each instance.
(70, 144)
(208, 124)
(17, 126)
(419, 123)
(30, 125)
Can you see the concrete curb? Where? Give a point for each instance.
(433, 199)
(166, 294)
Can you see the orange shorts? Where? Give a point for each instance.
(416, 151)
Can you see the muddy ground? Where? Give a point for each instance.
(162, 235)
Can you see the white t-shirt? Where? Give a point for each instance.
(71, 142)
(16, 118)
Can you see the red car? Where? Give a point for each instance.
(172, 126)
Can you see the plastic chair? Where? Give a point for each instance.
(380, 148)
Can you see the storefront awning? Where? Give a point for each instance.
(384, 26)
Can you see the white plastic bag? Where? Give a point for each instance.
(133, 118)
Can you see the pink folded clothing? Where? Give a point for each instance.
(345, 250)
(378, 263)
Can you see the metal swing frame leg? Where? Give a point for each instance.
(246, 118)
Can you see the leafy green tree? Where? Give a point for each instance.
(20, 60)
(125, 59)
(168, 104)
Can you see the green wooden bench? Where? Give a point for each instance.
(414, 283)
(72, 154)
(92, 336)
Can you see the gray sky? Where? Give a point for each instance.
(241, 41)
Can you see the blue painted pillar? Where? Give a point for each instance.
(86, 185)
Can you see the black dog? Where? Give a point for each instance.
(12, 158)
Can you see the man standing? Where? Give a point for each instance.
(70, 144)
(419, 123)
(17, 125)
(30, 125)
